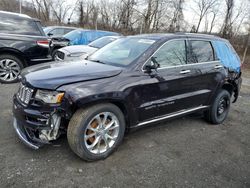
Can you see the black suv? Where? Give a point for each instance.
(132, 82)
(22, 43)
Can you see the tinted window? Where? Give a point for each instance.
(13, 25)
(201, 51)
(171, 54)
(58, 31)
(67, 30)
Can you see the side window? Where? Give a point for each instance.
(20, 26)
(58, 31)
(67, 30)
(171, 54)
(201, 51)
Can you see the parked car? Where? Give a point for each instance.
(130, 83)
(57, 31)
(22, 43)
(77, 37)
(82, 51)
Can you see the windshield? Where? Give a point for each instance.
(99, 43)
(122, 52)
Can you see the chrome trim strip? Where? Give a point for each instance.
(170, 115)
(44, 59)
(212, 62)
(22, 136)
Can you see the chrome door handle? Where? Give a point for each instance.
(218, 66)
(185, 71)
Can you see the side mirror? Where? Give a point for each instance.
(153, 65)
(50, 34)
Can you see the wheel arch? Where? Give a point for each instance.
(229, 87)
(17, 53)
(121, 104)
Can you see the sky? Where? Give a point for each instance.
(192, 18)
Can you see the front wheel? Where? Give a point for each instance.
(220, 108)
(95, 132)
(10, 68)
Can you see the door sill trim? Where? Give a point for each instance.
(181, 112)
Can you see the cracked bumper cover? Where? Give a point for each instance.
(24, 137)
(25, 128)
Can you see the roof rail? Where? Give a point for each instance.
(16, 14)
(200, 34)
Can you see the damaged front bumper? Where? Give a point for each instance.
(22, 134)
(33, 127)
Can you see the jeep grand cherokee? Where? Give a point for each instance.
(132, 82)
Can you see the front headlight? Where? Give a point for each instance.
(50, 97)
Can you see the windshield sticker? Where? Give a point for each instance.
(146, 41)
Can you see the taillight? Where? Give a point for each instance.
(43, 43)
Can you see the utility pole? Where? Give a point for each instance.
(20, 6)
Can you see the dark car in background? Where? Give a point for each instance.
(57, 31)
(82, 51)
(22, 43)
(133, 82)
(77, 37)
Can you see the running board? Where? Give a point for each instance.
(182, 112)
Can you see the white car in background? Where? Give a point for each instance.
(83, 51)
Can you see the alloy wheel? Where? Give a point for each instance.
(101, 132)
(9, 70)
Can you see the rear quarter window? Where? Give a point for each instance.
(13, 25)
(201, 51)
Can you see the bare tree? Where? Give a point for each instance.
(203, 8)
(227, 27)
(9, 5)
(177, 19)
(42, 9)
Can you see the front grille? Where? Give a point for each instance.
(60, 55)
(24, 94)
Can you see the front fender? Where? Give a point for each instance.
(117, 98)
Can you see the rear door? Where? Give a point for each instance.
(204, 59)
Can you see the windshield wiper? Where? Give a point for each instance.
(97, 61)
(92, 46)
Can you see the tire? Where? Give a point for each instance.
(53, 54)
(219, 110)
(84, 124)
(10, 68)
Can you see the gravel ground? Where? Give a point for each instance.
(187, 152)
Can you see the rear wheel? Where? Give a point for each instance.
(220, 108)
(95, 132)
(10, 68)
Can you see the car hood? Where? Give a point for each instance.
(78, 49)
(53, 75)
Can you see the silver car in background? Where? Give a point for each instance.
(83, 51)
